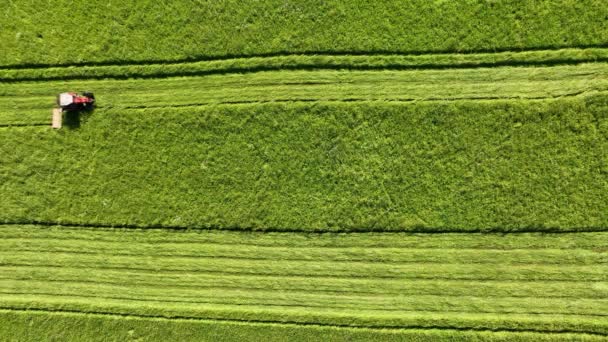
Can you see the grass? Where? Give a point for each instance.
(31, 325)
(455, 281)
(431, 166)
(322, 170)
(30, 102)
(302, 62)
(142, 31)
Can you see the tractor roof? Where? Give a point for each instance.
(65, 99)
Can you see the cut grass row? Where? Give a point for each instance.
(301, 62)
(336, 289)
(487, 285)
(39, 326)
(461, 166)
(141, 31)
(30, 102)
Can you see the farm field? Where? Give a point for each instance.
(305, 171)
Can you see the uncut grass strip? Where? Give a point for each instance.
(556, 57)
(519, 149)
(362, 318)
(18, 327)
(360, 28)
(267, 325)
(446, 287)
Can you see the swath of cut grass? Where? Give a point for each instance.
(21, 103)
(342, 286)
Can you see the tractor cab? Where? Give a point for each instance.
(74, 102)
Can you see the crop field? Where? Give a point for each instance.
(322, 170)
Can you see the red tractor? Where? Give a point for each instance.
(71, 102)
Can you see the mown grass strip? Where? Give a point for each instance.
(31, 102)
(354, 303)
(336, 285)
(329, 269)
(332, 288)
(396, 255)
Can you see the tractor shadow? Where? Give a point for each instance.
(74, 119)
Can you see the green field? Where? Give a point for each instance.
(146, 30)
(305, 171)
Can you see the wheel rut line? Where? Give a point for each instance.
(296, 323)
